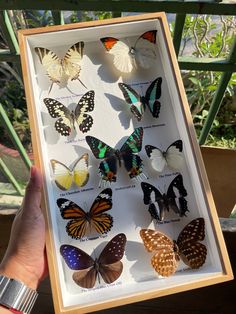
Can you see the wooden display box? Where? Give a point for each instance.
(113, 123)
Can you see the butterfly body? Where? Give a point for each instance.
(132, 162)
(66, 118)
(139, 103)
(169, 252)
(159, 202)
(83, 223)
(126, 58)
(108, 264)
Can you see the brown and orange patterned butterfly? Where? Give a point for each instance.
(169, 252)
(85, 223)
(127, 58)
(108, 265)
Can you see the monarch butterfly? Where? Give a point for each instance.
(83, 223)
(87, 269)
(127, 58)
(168, 252)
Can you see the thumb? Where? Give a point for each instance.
(32, 198)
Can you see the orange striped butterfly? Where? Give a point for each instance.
(169, 252)
(108, 265)
(64, 176)
(127, 58)
(83, 223)
(62, 70)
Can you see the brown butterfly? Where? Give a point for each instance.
(169, 252)
(87, 269)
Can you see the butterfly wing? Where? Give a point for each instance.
(51, 63)
(101, 221)
(80, 171)
(133, 163)
(62, 175)
(122, 58)
(86, 104)
(153, 197)
(157, 158)
(144, 49)
(174, 156)
(192, 252)
(79, 222)
(108, 167)
(176, 194)
(165, 259)
(152, 95)
(110, 258)
(65, 121)
(133, 99)
(72, 60)
(77, 259)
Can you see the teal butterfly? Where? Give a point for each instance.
(139, 103)
(132, 162)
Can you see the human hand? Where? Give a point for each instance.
(25, 258)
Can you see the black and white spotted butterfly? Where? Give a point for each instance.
(159, 203)
(66, 118)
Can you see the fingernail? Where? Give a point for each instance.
(32, 172)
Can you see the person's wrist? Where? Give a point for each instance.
(15, 270)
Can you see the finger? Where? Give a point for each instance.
(32, 197)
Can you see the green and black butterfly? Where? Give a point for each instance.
(139, 103)
(66, 118)
(132, 162)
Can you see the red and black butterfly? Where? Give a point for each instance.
(108, 265)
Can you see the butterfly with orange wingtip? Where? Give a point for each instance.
(127, 58)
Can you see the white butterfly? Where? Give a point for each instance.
(61, 70)
(64, 176)
(127, 58)
(172, 157)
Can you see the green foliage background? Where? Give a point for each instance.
(203, 36)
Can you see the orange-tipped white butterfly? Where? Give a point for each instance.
(168, 252)
(64, 176)
(126, 57)
(61, 70)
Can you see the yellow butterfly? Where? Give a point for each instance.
(61, 70)
(64, 176)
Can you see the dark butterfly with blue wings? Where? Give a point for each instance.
(83, 223)
(108, 265)
(139, 103)
(67, 119)
(132, 162)
(159, 203)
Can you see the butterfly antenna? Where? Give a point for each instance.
(82, 83)
(50, 88)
